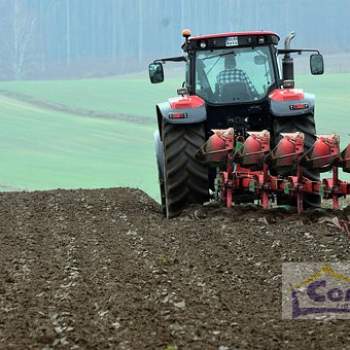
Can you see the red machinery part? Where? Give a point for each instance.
(288, 150)
(230, 34)
(324, 153)
(287, 95)
(219, 145)
(255, 149)
(243, 174)
(190, 101)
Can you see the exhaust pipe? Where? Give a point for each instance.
(288, 64)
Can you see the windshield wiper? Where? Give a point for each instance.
(220, 55)
(217, 61)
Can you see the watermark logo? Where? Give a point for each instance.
(316, 290)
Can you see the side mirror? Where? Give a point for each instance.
(316, 64)
(156, 72)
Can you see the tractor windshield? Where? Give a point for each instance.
(234, 75)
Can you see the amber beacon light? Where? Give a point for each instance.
(186, 33)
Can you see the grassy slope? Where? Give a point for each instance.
(135, 96)
(42, 149)
(332, 102)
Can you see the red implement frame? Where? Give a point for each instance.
(248, 164)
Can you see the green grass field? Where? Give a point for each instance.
(135, 95)
(43, 149)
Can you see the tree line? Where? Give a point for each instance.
(73, 38)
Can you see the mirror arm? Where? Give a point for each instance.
(299, 51)
(171, 59)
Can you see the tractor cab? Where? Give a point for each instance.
(233, 67)
(234, 73)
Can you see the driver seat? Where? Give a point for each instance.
(235, 92)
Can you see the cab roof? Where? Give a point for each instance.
(230, 34)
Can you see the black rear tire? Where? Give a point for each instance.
(185, 177)
(306, 125)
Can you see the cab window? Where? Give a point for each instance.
(234, 75)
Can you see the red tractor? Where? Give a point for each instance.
(239, 130)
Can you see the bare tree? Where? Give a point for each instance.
(140, 33)
(84, 37)
(6, 46)
(24, 29)
(17, 37)
(68, 33)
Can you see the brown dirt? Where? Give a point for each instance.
(102, 269)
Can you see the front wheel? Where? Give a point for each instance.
(185, 177)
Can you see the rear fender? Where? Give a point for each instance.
(291, 103)
(181, 110)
